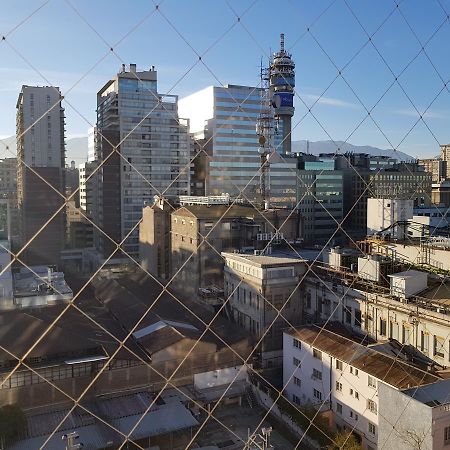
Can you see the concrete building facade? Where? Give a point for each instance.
(199, 234)
(264, 293)
(153, 153)
(40, 173)
(339, 375)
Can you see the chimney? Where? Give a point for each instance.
(133, 68)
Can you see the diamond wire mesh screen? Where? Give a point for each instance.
(134, 317)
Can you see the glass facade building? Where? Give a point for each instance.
(228, 116)
(321, 201)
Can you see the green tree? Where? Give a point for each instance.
(345, 441)
(12, 423)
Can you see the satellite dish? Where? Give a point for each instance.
(276, 101)
(262, 140)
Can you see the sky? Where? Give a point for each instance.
(340, 73)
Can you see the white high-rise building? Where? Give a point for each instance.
(153, 153)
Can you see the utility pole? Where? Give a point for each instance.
(259, 441)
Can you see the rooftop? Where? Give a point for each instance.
(121, 412)
(385, 368)
(163, 318)
(408, 274)
(263, 260)
(432, 394)
(216, 211)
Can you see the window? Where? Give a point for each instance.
(373, 429)
(348, 315)
(382, 327)
(351, 392)
(339, 365)
(338, 386)
(296, 362)
(296, 399)
(297, 381)
(371, 381)
(438, 346)
(317, 374)
(297, 343)
(317, 394)
(406, 334)
(338, 408)
(372, 406)
(317, 354)
(357, 395)
(356, 372)
(424, 342)
(357, 318)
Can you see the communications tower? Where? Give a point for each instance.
(273, 125)
(282, 83)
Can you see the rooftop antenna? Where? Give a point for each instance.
(282, 42)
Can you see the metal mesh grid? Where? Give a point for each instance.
(239, 21)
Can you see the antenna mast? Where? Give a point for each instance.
(264, 130)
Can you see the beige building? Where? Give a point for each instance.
(440, 193)
(264, 293)
(154, 239)
(199, 234)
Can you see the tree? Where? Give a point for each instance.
(414, 438)
(12, 423)
(344, 441)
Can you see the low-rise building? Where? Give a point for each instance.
(264, 293)
(384, 303)
(343, 377)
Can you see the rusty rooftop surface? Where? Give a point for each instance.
(263, 260)
(381, 366)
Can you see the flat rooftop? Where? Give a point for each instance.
(263, 260)
(385, 368)
(432, 394)
(408, 274)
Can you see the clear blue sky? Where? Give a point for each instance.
(63, 48)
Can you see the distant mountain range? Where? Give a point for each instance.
(77, 149)
(332, 147)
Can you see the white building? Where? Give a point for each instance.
(421, 416)
(383, 213)
(154, 158)
(88, 187)
(258, 287)
(344, 377)
(411, 307)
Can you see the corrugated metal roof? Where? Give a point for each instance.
(379, 365)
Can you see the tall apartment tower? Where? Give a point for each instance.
(225, 118)
(40, 174)
(152, 158)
